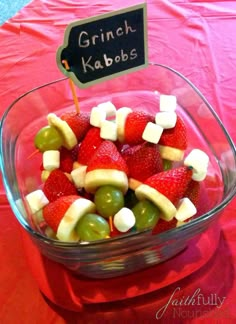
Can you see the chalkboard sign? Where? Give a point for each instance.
(105, 46)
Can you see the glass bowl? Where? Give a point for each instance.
(138, 90)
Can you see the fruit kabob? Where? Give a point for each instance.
(113, 171)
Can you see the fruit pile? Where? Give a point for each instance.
(114, 171)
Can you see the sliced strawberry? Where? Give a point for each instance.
(143, 161)
(107, 157)
(55, 211)
(171, 183)
(79, 123)
(74, 152)
(89, 145)
(193, 192)
(175, 137)
(134, 126)
(58, 185)
(66, 160)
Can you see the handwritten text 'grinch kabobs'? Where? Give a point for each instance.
(85, 41)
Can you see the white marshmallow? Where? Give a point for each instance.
(124, 219)
(198, 160)
(185, 209)
(108, 130)
(121, 116)
(167, 103)
(108, 107)
(78, 176)
(166, 119)
(97, 116)
(51, 160)
(36, 200)
(152, 133)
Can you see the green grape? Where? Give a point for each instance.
(48, 138)
(146, 214)
(130, 199)
(108, 200)
(167, 165)
(92, 227)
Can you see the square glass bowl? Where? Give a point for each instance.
(140, 91)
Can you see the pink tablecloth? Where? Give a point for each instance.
(196, 38)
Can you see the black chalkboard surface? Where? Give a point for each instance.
(105, 46)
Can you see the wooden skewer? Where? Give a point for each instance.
(72, 86)
(33, 154)
(111, 223)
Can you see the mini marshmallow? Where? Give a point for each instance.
(121, 116)
(36, 200)
(198, 160)
(108, 130)
(51, 160)
(108, 107)
(166, 119)
(167, 103)
(97, 116)
(78, 176)
(124, 220)
(152, 133)
(185, 209)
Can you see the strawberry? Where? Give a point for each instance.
(134, 126)
(79, 123)
(74, 152)
(55, 211)
(57, 185)
(171, 183)
(165, 189)
(106, 167)
(143, 161)
(175, 137)
(115, 232)
(107, 157)
(193, 191)
(66, 160)
(163, 226)
(89, 145)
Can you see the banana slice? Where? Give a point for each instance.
(77, 209)
(121, 115)
(69, 137)
(146, 192)
(171, 153)
(102, 177)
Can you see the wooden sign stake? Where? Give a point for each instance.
(72, 86)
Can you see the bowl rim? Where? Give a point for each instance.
(164, 235)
